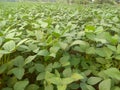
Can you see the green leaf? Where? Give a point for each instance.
(19, 61)
(7, 88)
(93, 80)
(49, 67)
(43, 52)
(55, 80)
(41, 76)
(90, 50)
(20, 85)
(40, 67)
(89, 87)
(18, 72)
(67, 72)
(10, 35)
(74, 86)
(76, 76)
(54, 50)
(116, 88)
(9, 46)
(113, 73)
(44, 24)
(65, 60)
(113, 48)
(49, 75)
(4, 52)
(105, 85)
(49, 87)
(21, 42)
(89, 28)
(63, 45)
(99, 29)
(61, 87)
(100, 52)
(66, 81)
(85, 86)
(29, 59)
(118, 49)
(74, 61)
(3, 68)
(56, 65)
(1, 41)
(32, 87)
(117, 57)
(80, 42)
(107, 51)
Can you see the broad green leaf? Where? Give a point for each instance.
(41, 76)
(105, 85)
(107, 51)
(100, 40)
(55, 80)
(113, 73)
(9, 46)
(99, 29)
(113, 48)
(32, 87)
(116, 88)
(67, 72)
(44, 24)
(90, 36)
(1, 41)
(49, 75)
(93, 80)
(66, 81)
(29, 59)
(74, 61)
(19, 61)
(56, 65)
(43, 52)
(4, 52)
(89, 28)
(117, 57)
(3, 68)
(115, 19)
(20, 85)
(10, 35)
(85, 86)
(80, 42)
(40, 67)
(76, 76)
(89, 87)
(118, 49)
(54, 50)
(49, 87)
(100, 52)
(18, 72)
(90, 50)
(21, 42)
(63, 45)
(65, 60)
(61, 87)
(49, 67)
(74, 86)
(39, 35)
(33, 47)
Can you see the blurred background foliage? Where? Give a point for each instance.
(70, 1)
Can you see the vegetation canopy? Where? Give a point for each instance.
(59, 47)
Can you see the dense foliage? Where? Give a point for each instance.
(56, 47)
